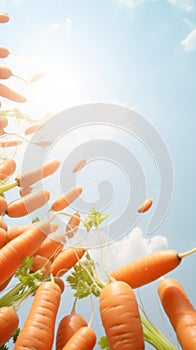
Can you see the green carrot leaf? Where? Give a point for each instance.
(103, 343)
(94, 219)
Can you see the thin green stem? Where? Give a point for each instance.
(9, 186)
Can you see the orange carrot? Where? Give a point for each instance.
(10, 94)
(60, 283)
(8, 323)
(51, 247)
(7, 168)
(38, 330)
(3, 223)
(66, 199)
(67, 327)
(3, 237)
(4, 284)
(4, 17)
(3, 122)
(28, 203)
(148, 268)
(83, 339)
(66, 260)
(32, 128)
(180, 312)
(145, 206)
(72, 225)
(4, 52)
(23, 191)
(5, 72)
(3, 205)
(10, 143)
(120, 317)
(16, 231)
(40, 262)
(79, 165)
(13, 253)
(37, 174)
(36, 77)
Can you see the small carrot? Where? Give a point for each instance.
(3, 122)
(10, 94)
(120, 317)
(7, 168)
(65, 260)
(83, 339)
(66, 199)
(4, 52)
(3, 237)
(40, 262)
(24, 245)
(38, 330)
(36, 77)
(67, 327)
(23, 191)
(51, 247)
(72, 225)
(145, 206)
(10, 143)
(5, 72)
(79, 165)
(180, 311)
(60, 283)
(3, 223)
(32, 128)
(8, 323)
(3, 205)
(32, 176)
(149, 267)
(28, 203)
(4, 17)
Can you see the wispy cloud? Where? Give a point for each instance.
(189, 42)
(67, 23)
(186, 5)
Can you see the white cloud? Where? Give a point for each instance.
(132, 3)
(187, 5)
(189, 42)
(60, 25)
(129, 248)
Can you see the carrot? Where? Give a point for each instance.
(146, 205)
(16, 231)
(35, 175)
(66, 260)
(5, 72)
(10, 94)
(180, 311)
(36, 77)
(13, 253)
(4, 284)
(67, 327)
(120, 317)
(4, 17)
(66, 199)
(7, 168)
(32, 128)
(3, 205)
(3, 122)
(8, 323)
(10, 143)
(3, 238)
(4, 52)
(60, 283)
(23, 191)
(72, 225)
(38, 330)
(3, 223)
(40, 262)
(79, 165)
(149, 267)
(83, 339)
(28, 203)
(51, 247)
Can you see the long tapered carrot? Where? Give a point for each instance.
(52, 246)
(145, 206)
(15, 231)
(5, 72)
(72, 225)
(7, 168)
(10, 143)
(4, 52)
(4, 17)
(3, 205)
(40, 262)
(149, 267)
(83, 339)
(13, 253)
(79, 165)
(32, 128)
(67, 327)
(38, 330)
(28, 203)
(3, 237)
(32, 176)
(10, 94)
(8, 323)
(23, 191)
(120, 317)
(3, 122)
(180, 311)
(66, 199)
(66, 260)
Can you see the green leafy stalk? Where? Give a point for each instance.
(94, 219)
(103, 343)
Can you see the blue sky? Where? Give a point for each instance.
(136, 53)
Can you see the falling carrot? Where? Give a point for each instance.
(38, 330)
(7, 168)
(16, 231)
(79, 165)
(66, 260)
(27, 204)
(67, 327)
(180, 311)
(36, 77)
(4, 284)
(3, 122)
(60, 283)
(72, 225)
(51, 247)
(23, 191)
(4, 52)
(10, 94)
(3, 205)
(83, 339)
(5, 72)
(4, 17)
(8, 323)
(3, 237)
(145, 206)
(40, 262)
(10, 143)
(32, 128)
(66, 199)
(149, 267)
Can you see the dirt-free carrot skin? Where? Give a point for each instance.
(180, 311)
(83, 339)
(4, 284)
(66, 199)
(10, 143)
(3, 223)
(32, 128)
(4, 17)
(24, 245)
(23, 191)
(66, 260)
(5, 72)
(67, 327)
(3, 237)
(10, 94)
(60, 283)
(16, 231)
(38, 330)
(79, 165)
(7, 168)
(32, 176)
(120, 317)
(3, 122)
(145, 206)
(72, 225)
(28, 203)
(3, 205)
(40, 262)
(147, 268)
(50, 248)
(4, 52)
(8, 323)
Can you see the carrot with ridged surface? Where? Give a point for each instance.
(83, 339)
(65, 260)
(8, 323)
